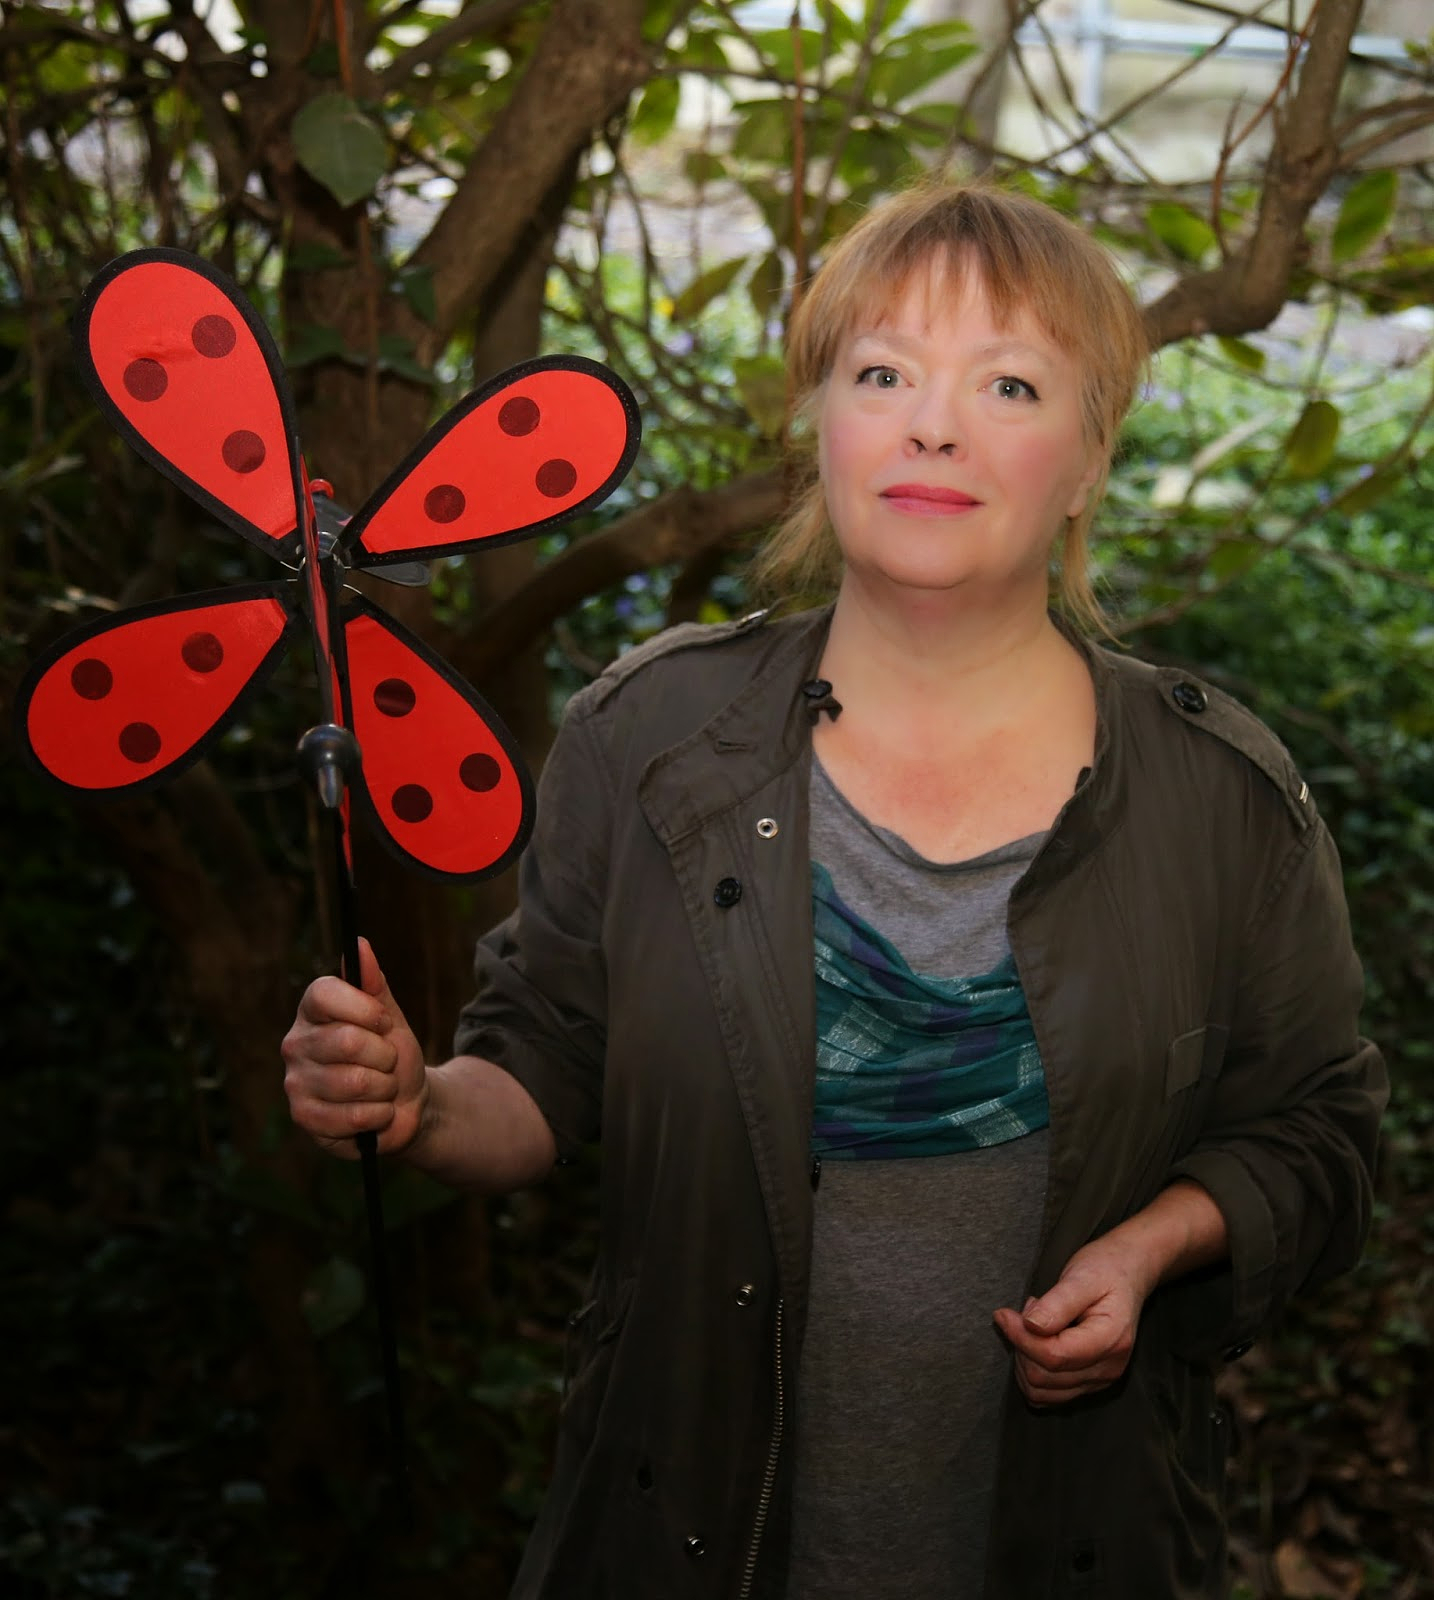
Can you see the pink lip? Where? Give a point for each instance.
(926, 497)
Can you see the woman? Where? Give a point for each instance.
(957, 1003)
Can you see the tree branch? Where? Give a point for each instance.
(677, 527)
(468, 24)
(588, 61)
(1248, 290)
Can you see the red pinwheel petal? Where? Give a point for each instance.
(128, 699)
(442, 775)
(543, 443)
(176, 358)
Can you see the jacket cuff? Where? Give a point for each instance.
(1218, 1312)
(566, 1108)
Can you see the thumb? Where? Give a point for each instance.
(1058, 1307)
(372, 981)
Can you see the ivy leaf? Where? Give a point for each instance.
(1310, 446)
(1364, 214)
(705, 288)
(332, 1296)
(1180, 230)
(336, 144)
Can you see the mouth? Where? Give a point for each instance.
(927, 497)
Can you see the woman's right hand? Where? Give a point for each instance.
(353, 1064)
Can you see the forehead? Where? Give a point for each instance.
(938, 296)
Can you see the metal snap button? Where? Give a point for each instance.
(767, 828)
(696, 1546)
(745, 1294)
(727, 893)
(1189, 697)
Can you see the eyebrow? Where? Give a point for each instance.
(987, 352)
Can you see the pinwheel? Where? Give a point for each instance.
(187, 371)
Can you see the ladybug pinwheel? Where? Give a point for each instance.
(186, 370)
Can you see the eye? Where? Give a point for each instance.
(1009, 388)
(879, 377)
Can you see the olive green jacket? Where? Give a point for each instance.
(1184, 947)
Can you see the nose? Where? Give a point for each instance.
(934, 426)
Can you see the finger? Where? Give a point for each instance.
(338, 1044)
(1095, 1340)
(337, 1123)
(347, 1085)
(330, 999)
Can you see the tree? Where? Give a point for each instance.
(418, 194)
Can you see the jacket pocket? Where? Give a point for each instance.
(593, 1332)
(1192, 1063)
(1193, 1056)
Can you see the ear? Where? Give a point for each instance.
(1080, 495)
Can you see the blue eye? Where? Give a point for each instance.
(878, 377)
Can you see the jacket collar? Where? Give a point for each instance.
(766, 726)
(761, 732)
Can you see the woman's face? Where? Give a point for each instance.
(952, 448)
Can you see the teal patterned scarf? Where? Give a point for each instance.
(910, 1065)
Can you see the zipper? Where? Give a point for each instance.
(769, 1478)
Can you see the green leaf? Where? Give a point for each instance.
(766, 284)
(702, 166)
(762, 385)
(1367, 492)
(1243, 354)
(396, 354)
(1180, 230)
(776, 45)
(656, 111)
(705, 288)
(311, 342)
(1364, 214)
(315, 256)
(333, 1296)
(336, 144)
(835, 21)
(1310, 446)
(764, 130)
(415, 284)
(900, 76)
(1233, 558)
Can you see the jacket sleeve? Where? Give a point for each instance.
(540, 1011)
(1287, 1142)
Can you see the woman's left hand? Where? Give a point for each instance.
(1077, 1338)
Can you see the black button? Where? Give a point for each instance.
(1189, 697)
(1082, 1558)
(816, 689)
(816, 1172)
(727, 893)
(696, 1546)
(644, 1477)
(745, 1294)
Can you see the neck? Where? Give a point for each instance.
(941, 655)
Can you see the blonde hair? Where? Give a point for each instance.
(1029, 259)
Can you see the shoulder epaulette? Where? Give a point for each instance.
(1210, 710)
